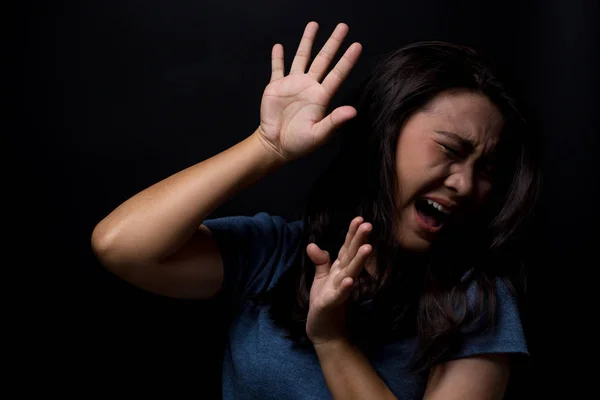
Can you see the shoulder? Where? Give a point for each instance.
(256, 250)
(504, 333)
(478, 363)
(261, 224)
(262, 230)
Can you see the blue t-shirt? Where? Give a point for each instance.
(260, 363)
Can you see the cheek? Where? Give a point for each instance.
(421, 164)
(419, 153)
(434, 152)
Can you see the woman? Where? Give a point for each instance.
(396, 282)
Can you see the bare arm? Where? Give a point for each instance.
(481, 377)
(160, 224)
(347, 371)
(349, 374)
(155, 239)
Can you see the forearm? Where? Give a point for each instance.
(157, 221)
(349, 374)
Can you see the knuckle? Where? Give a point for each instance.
(326, 55)
(336, 70)
(302, 53)
(336, 40)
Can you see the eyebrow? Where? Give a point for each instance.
(469, 144)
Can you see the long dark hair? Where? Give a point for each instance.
(412, 295)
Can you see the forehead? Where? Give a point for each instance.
(468, 114)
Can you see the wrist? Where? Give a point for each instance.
(271, 153)
(331, 345)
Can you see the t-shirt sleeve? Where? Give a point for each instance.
(256, 250)
(505, 336)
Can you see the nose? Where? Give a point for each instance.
(460, 181)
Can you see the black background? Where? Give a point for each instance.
(113, 96)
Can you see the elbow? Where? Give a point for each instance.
(99, 241)
(103, 243)
(122, 258)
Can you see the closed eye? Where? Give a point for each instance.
(451, 150)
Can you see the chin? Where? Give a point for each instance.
(414, 243)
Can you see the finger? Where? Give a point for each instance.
(324, 128)
(304, 48)
(277, 69)
(344, 290)
(346, 283)
(360, 238)
(338, 74)
(325, 57)
(320, 258)
(358, 263)
(354, 224)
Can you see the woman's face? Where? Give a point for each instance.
(444, 160)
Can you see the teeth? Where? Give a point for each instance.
(438, 206)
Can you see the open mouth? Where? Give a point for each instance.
(432, 215)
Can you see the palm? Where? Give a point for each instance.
(323, 300)
(321, 294)
(293, 107)
(332, 282)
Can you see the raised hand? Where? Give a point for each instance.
(331, 286)
(292, 112)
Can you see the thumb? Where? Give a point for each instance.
(320, 258)
(333, 121)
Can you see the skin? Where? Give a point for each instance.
(444, 151)
(153, 241)
(434, 159)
